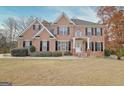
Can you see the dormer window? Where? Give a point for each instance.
(36, 27)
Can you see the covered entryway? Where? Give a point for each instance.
(80, 45)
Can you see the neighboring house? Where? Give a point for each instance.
(74, 35)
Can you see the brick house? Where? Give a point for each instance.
(65, 34)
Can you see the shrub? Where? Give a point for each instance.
(32, 49)
(5, 50)
(20, 52)
(46, 54)
(56, 54)
(41, 54)
(120, 53)
(107, 52)
(35, 54)
(67, 53)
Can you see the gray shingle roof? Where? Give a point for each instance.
(83, 22)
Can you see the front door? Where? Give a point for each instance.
(78, 47)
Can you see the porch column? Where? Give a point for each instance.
(73, 43)
(88, 39)
(73, 50)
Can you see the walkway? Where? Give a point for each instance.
(63, 57)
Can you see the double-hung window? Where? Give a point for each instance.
(63, 30)
(27, 44)
(63, 46)
(97, 46)
(89, 33)
(44, 45)
(91, 45)
(37, 27)
(98, 32)
(78, 34)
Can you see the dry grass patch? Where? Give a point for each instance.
(87, 71)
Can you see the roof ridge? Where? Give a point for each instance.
(82, 20)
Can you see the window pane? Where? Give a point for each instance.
(44, 45)
(78, 33)
(63, 30)
(98, 46)
(98, 31)
(27, 43)
(89, 31)
(63, 45)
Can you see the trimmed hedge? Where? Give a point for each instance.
(67, 53)
(56, 54)
(19, 52)
(46, 54)
(41, 54)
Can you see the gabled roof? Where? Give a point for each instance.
(42, 31)
(63, 14)
(83, 22)
(45, 29)
(28, 27)
(38, 31)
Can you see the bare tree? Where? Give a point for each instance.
(14, 26)
(10, 26)
(23, 22)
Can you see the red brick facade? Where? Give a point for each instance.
(65, 35)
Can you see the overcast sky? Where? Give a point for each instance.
(49, 13)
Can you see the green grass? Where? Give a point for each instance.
(87, 71)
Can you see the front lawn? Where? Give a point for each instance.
(87, 71)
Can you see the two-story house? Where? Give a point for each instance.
(65, 34)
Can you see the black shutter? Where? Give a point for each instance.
(85, 46)
(39, 27)
(23, 43)
(47, 45)
(92, 31)
(30, 43)
(40, 45)
(86, 31)
(95, 46)
(57, 30)
(68, 30)
(101, 46)
(56, 45)
(69, 45)
(95, 31)
(101, 31)
(92, 46)
(33, 27)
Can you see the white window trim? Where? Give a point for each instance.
(66, 44)
(78, 34)
(63, 30)
(45, 46)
